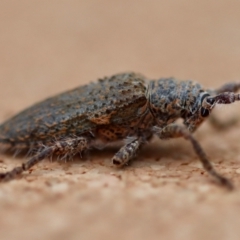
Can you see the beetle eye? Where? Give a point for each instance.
(204, 112)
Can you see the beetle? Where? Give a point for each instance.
(122, 106)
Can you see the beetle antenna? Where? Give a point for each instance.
(222, 98)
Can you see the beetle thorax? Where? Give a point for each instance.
(170, 99)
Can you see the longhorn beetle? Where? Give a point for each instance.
(122, 106)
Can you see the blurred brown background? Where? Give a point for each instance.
(50, 46)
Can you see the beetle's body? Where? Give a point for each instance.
(112, 109)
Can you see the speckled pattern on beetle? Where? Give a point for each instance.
(125, 106)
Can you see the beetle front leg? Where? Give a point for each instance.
(175, 131)
(229, 87)
(126, 153)
(69, 146)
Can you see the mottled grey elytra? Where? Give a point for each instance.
(123, 106)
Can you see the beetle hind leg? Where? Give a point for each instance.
(69, 146)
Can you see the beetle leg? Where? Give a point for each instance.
(229, 87)
(126, 153)
(174, 131)
(69, 146)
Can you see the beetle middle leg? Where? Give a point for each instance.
(127, 152)
(69, 146)
(174, 131)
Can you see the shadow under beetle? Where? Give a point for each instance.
(123, 106)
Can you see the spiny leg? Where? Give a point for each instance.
(126, 153)
(174, 131)
(70, 146)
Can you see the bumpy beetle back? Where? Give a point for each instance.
(113, 99)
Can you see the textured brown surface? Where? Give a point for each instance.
(49, 46)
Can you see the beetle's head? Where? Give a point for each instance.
(204, 106)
